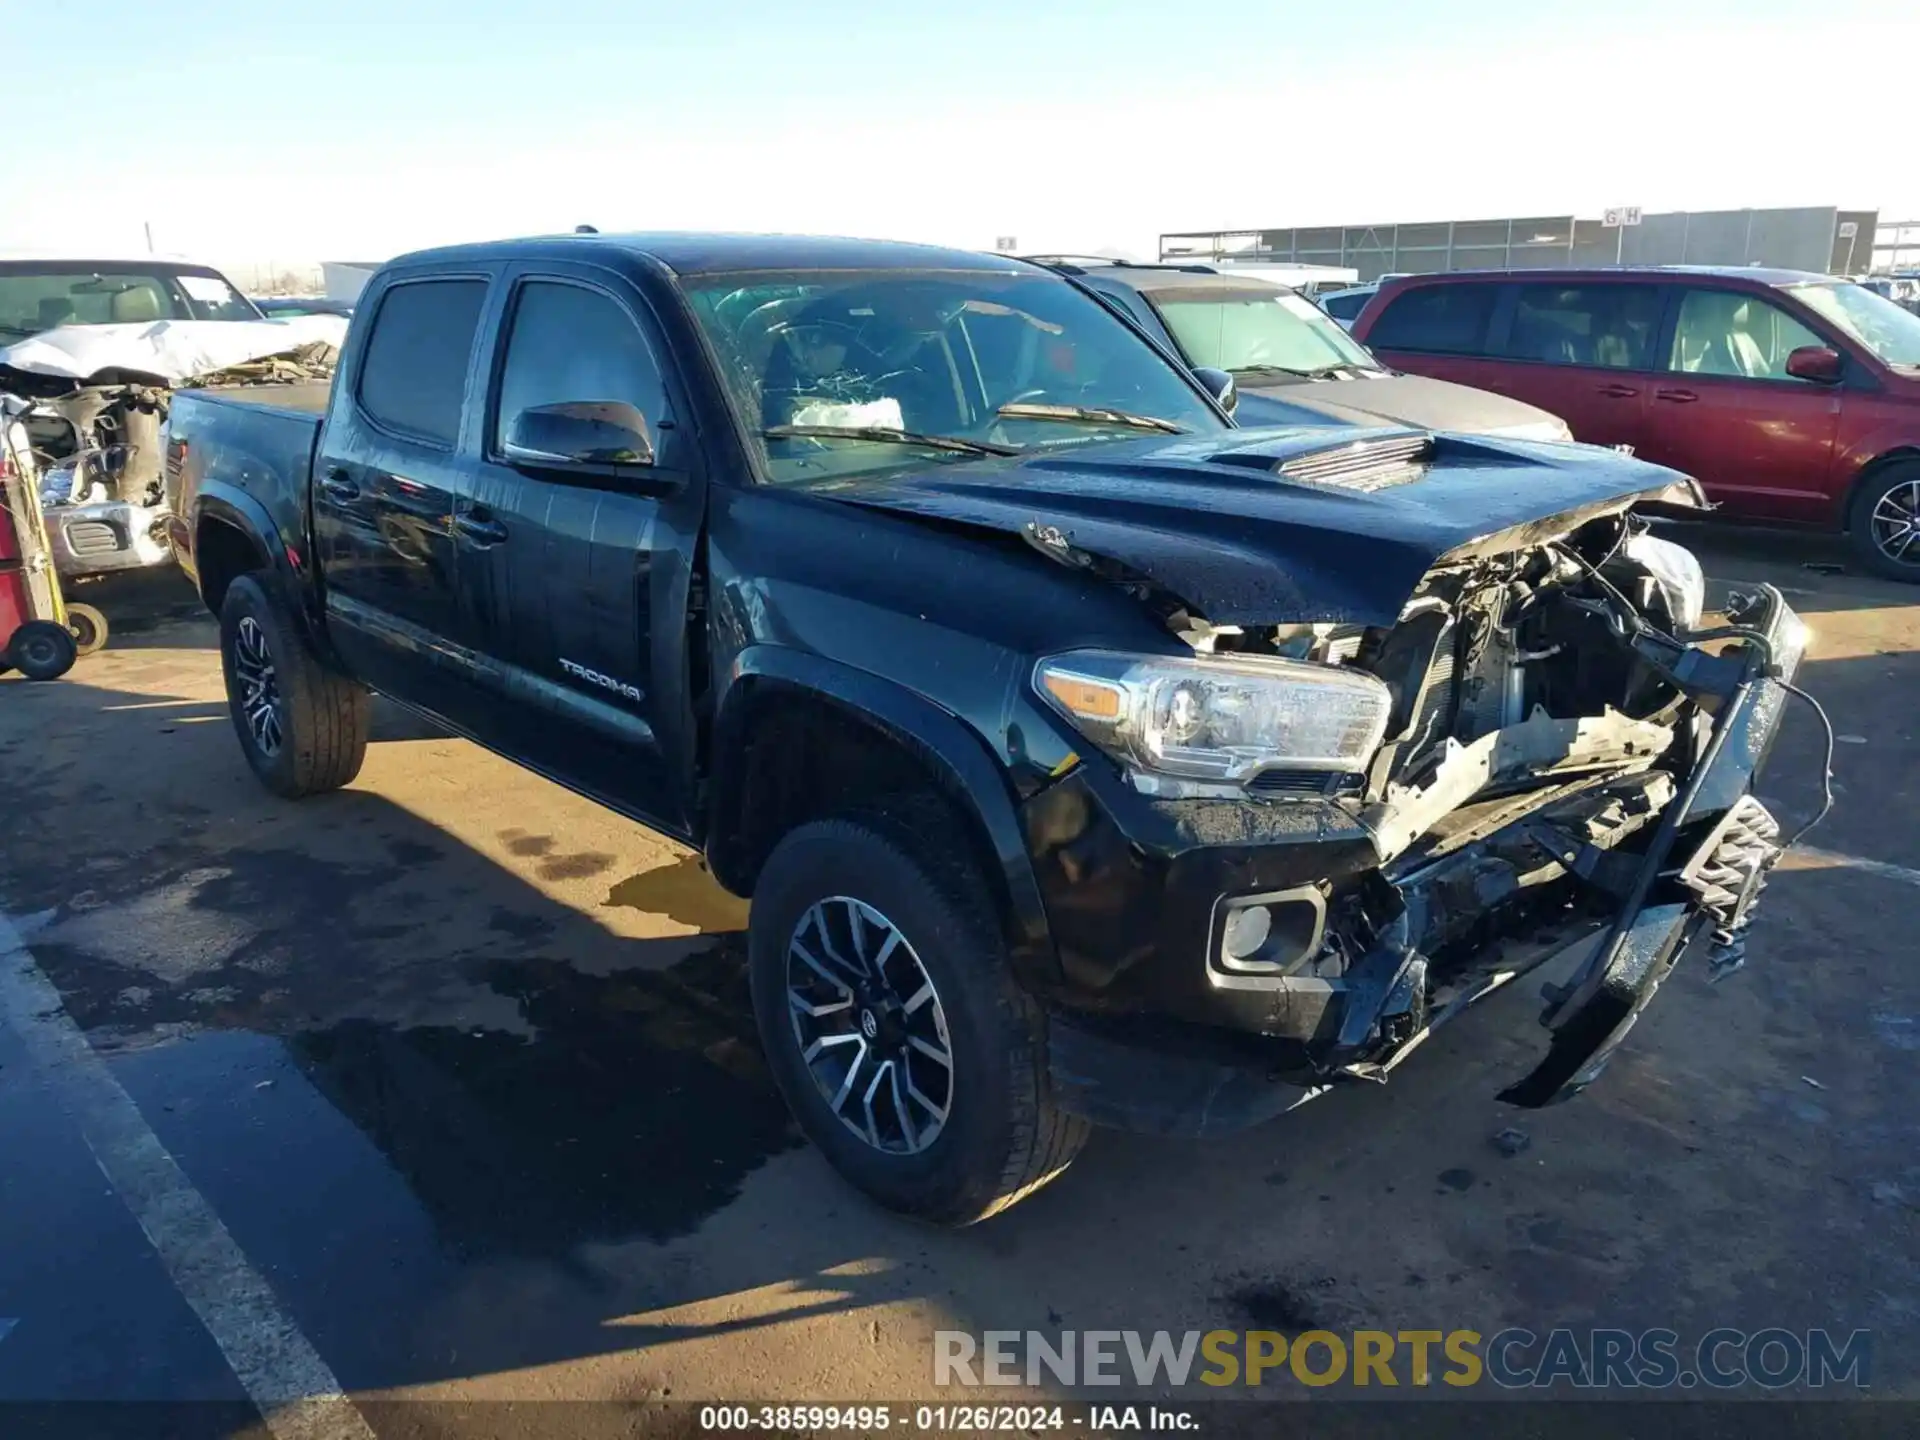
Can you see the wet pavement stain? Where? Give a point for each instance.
(576, 867)
(1271, 1305)
(683, 891)
(636, 1109)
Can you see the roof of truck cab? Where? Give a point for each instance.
(704, 254)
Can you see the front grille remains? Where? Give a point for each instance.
(92, 537)
(1301, 784)
(1434, 717)
(1364, 464)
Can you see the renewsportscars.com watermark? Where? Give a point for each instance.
(1514, 1359)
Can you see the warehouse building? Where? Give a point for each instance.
(1825, 239)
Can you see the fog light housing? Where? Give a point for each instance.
(1271, 934)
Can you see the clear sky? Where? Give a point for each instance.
(350, 129)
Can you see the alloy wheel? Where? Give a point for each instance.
(869, 1025)
(253, 671)
(1896, 523)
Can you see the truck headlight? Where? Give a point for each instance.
(1677, 572)
(1218, 720)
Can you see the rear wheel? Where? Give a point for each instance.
(892, 1024)
(1886, 522)
(302, 727)
(89, 628)
(42, 650)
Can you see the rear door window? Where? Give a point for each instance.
(1442, 319)
(1609, 327)
(1732, 333)
(413, 377)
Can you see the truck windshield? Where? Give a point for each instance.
(1891, 332)
(1259, 330)
(839, 371)
(44, 295)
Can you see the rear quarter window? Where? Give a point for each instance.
(1443, 319)
(1346, 307)
(413, 376)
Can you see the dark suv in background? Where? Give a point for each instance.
(1793, 398)
(1291, 364)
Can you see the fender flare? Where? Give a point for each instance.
(1885, 447)
(946, 745)
(222, 503)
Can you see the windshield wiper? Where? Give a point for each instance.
(885, 435)
(20, 330)
(1088, 415)
(1324, 372)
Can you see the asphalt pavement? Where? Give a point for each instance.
(444, 1087)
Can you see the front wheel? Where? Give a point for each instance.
(302, 727)
(1886, 523)
(893, 1026)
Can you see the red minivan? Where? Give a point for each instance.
(1792, 398)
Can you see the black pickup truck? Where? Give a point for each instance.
(1087, 758)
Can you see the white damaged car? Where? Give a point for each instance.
(95, 349)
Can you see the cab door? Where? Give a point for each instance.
(1584, 352)
(577, 574)
(1725, 411)
(389, 478)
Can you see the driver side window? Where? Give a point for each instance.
(568, 343)
(1730, 333)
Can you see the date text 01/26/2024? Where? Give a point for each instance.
(941, 1419)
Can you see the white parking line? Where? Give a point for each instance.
(1854, 862)
(283, 1374)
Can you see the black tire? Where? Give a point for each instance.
(89, 628)
(1892, 488)
(1002, 1138)
(42, 650)
(321, 718)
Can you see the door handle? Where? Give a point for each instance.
(479, 529)
(1619, 392)
(1678, 397)
(339, 485)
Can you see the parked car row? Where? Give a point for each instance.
(1792, 398)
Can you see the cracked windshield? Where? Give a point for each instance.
(845, 374)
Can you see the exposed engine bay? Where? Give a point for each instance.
(1543, 786)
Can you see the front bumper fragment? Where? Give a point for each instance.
(1682, 856)
(1697, 880)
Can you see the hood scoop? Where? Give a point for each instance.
(1373, 463)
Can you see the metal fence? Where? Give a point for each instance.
(1896, 247)
(1824, 239)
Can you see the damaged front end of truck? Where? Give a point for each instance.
(1447, 713)
(1564, 783)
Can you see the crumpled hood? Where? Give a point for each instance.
(169, 350)
(1391, 400)
(1212, 520)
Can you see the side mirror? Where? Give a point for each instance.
(581, 432)
(1816, 363)
(1219, 384)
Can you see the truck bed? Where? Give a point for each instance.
(255, 442)
(305, 395)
